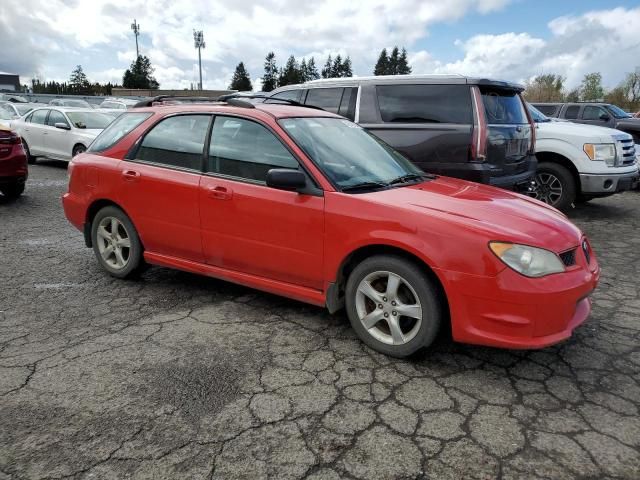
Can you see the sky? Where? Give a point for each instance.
(509, 39)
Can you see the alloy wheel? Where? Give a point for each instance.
(548, 188)
(114, 243)
(388, 307)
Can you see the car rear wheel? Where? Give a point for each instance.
(554, 185)
(393, 306)
(30, 159)
(13, 191)
(116, 243)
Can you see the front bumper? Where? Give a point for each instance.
(513, 311)
(608, 183)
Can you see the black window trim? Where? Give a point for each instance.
(314, 190)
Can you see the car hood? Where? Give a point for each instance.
(565, 129)
(499, 214)
(630, 123)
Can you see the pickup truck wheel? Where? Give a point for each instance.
(554, 185)
(392, 305)
(116, 243)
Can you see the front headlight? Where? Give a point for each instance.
(529, 261)
(601, 152)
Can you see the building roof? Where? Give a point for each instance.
(7, 73)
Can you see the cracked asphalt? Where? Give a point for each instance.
(175, 375)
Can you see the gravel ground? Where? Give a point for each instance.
(180, 376)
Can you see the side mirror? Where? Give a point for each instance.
(605, 117)
(62, 126)
(286, 179)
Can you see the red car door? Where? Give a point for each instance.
(159, 187)
(249, 227)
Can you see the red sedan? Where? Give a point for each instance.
(13, 164)
(306, 204)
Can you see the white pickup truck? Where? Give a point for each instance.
(579, 162)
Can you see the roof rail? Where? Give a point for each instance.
(266, 98)
(148, 102)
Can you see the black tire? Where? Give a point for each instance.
(422, 334)
(581, 198)
(78, 149)
(13, 191)
(567, 197)
(30, 158)
(133, 253)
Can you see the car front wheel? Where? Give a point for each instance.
(393, 305)
(116, 243)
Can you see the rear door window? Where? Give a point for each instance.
(503, 107)
(348, 103)
(39, 117)
(326, 98)
(424, 103)
(572, 112)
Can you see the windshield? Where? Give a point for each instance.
(537, 115)
(618, 112)
(90, 120)
(23, 109)
(347, 153)
(6, 113)
(76, 103)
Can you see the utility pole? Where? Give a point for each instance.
(136, 31)
(198, 41)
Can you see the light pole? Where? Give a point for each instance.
(198, 41)
(136, 31)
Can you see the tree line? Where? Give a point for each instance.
(551, 87)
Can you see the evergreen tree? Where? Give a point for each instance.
(303, 71)
(336, 68)
(139, 75)
(241, 81)
(312, 70)
(393, 61)
(290, 74)
(270, 77)
(78, 81)
(382, 65)
(326, 70)
(346, 70)
(403, 64)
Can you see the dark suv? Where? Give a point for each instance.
(470, 128)
(594, 113)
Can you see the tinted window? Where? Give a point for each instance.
(547, 109)
(326, 98)
(39, 117)
(289, 95)
(572, 111)
(56, 117)
(246, 149)
(348, 104)
(424, 103)
(122, 126)
(503, 107)
(176, 141)
(593, 113)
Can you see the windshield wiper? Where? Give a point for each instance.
(364, 186)
(409, 177)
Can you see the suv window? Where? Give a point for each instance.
(39, 117)
(116, 131)
(326, 98)
(176, 141)
(572, 112)
(289, 95)
(424, 103)
(245, 149)
(56, 117)
(549, 110)
(592, 112)
(503, 107)
(348, 103)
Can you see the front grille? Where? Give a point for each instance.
(568, 257)
(626, 150)
(585, 249)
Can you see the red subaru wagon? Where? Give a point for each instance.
(306, 204)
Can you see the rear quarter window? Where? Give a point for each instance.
(424, 103)
(572, 112)
(117, 130)
(503, 107)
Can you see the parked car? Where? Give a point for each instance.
(13, 164)
(469, 128)
(580, 162)
(118, 103)
(60, 133)
(307, 204)
(19, 109)
(12, 97)
(594, 113)
(70, 102)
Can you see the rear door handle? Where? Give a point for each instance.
(220, 193)
(131, 175)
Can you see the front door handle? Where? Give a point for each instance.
(220, 193)
(131, 175)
